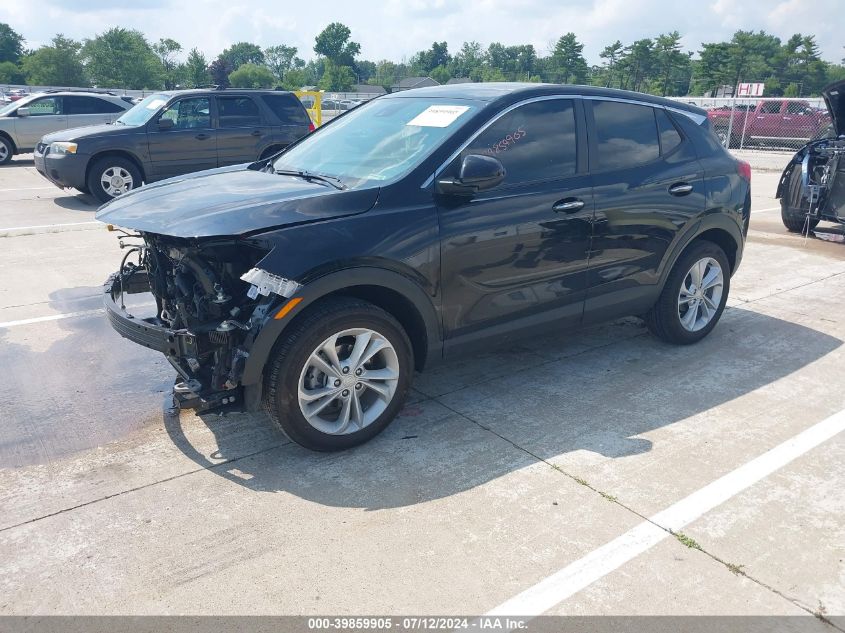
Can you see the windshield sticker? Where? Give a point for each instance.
(438, 116)
(155, 104)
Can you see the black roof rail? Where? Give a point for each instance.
(91, 90)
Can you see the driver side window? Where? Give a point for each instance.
(189, 113)
(536, 141)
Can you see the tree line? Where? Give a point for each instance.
(125, 58)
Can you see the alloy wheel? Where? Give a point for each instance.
(701, 294)
(348, 381)
(4, 151)
(116, 181)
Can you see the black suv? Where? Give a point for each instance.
(170, 134)
(422, 224)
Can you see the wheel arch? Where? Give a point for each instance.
(9, 138)
(121, 153)
(398, 295)
(718, 229)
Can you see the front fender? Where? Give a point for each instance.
(330, 283)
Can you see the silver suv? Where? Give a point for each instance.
(25, 121)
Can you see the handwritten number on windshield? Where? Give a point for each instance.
(506, 143)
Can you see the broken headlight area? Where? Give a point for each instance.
(814, 181)
(209, 308)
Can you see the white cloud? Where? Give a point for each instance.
(395, 29)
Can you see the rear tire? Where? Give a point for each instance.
(111, 176)
(689, 307)
(795, 222)
(369, 393)
(7, 150)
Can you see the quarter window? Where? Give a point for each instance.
(288, 108)
(669, 137)
(189, 113)
(626, 134)
(238, 112)
(536, 141)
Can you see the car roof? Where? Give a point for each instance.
(494, 91)
(221, 91)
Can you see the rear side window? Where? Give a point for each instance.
(669, 137)
(90, 105)
(626, 134)
(238, 112)
(536, 141)
(287, 108)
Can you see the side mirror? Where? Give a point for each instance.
(23, 111)
(478, 173)
(165, 124)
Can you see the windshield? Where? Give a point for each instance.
(378, 141)
(143, 111)
(9, 107)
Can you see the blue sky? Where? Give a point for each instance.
(395, 29)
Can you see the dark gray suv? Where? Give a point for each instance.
(170, 134)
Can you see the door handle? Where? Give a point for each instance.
(680, 189)
(201, 137)
(256, 133)
(568, 205)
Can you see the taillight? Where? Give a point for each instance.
(744, 170)
(311, 127)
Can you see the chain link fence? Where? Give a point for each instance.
(769, 124)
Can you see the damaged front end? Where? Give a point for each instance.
(211, 303)
(813, 183)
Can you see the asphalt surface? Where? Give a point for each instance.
(603, 473)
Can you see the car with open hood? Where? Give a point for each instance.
(812, 186)
(172, 133)
(420, 225)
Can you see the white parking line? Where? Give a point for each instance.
(52, 317)
(47, 226)
(27, 189)
(598, 563)
(762, 210)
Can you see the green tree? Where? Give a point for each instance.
(425, 61)
(386, 75)
(58, 64)
(440, 74)
(122, 58)
(568, 63)
(468, 61)
(281, 59)
(243, 53)
(672, 64)
(337, 78)
(252, 76)
(712, 69)
(196, 69)
(612, 54)
(11, 44)
(166, 50)
(11, 73)
(638, 64)
(334, 44)
(294, 79)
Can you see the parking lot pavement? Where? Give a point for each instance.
(541, 478)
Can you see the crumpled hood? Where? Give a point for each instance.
(89, 131)
(834, 98)
(231, 201)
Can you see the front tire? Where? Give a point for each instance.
(796, 222)
(112, 176)
(340, 375)
(6, 150)
(694, 296)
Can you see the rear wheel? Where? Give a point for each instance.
(112, 176)
(6, 150)
(694, 296)
(340, 376)
(794, 220)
